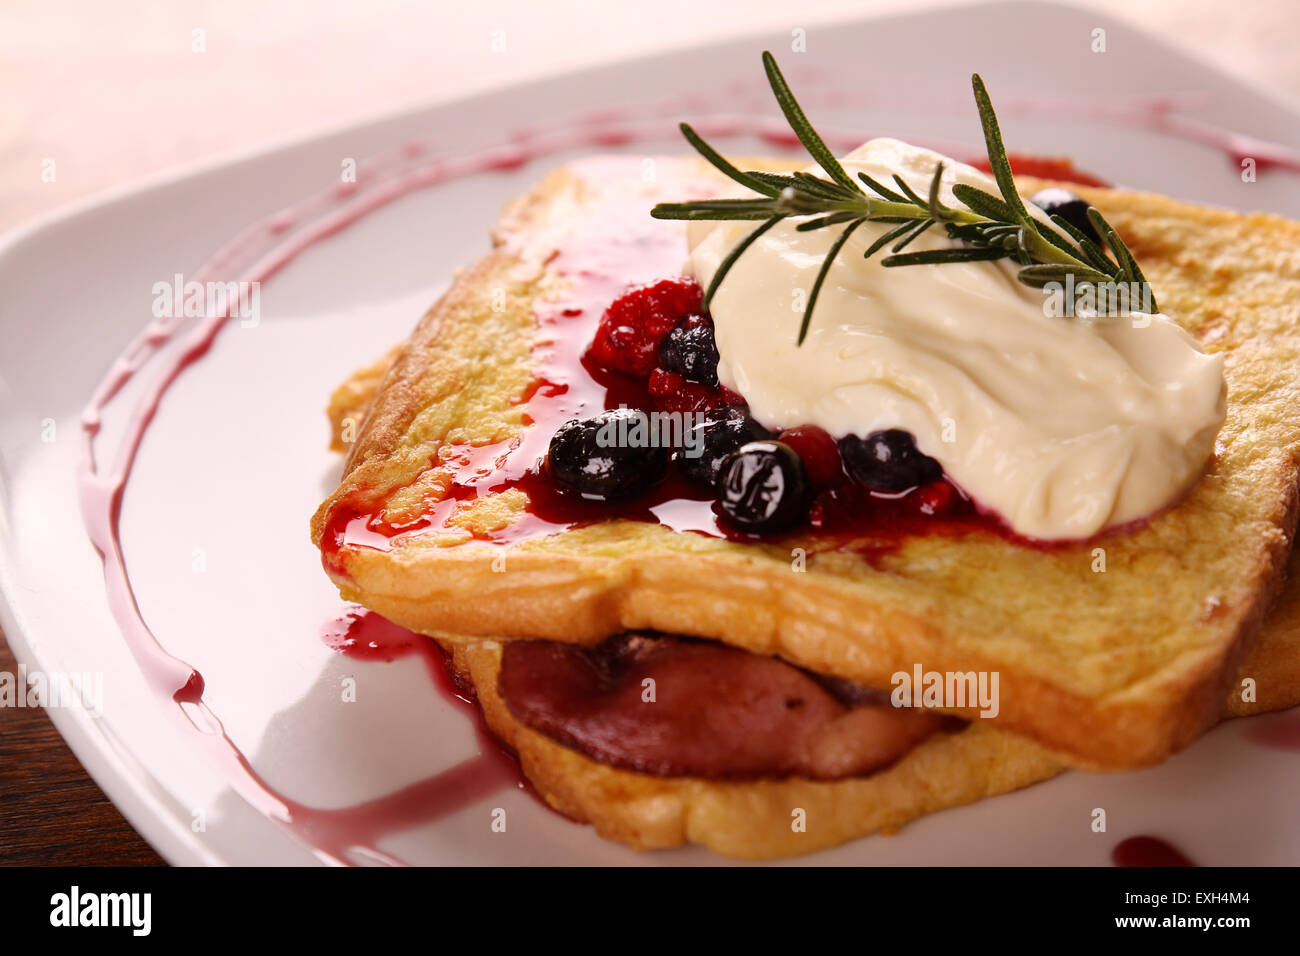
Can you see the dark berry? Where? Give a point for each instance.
(608, 456)
(690, 351)
(887, 461)
(634, 325)
(816, 449)
(762, 488)
(711, 440)
(1073, 209)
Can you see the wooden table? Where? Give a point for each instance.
(114, 92)
(51, 812)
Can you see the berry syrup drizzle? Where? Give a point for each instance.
(1148, 851)
(362, 635)
(1276, 731)
(257, 254)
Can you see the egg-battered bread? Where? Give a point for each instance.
(1113, 653)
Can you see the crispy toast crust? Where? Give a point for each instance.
(1114, 669)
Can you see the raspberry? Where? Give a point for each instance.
(816, 448)
(673, 393)
(664, 384)
(634, 325)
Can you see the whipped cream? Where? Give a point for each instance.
(1062, 426)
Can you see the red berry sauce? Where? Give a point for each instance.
(1148, 851)
(632, 328)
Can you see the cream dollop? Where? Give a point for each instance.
(1062, 426)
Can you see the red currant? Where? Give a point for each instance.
(635, 324)
(816, 448)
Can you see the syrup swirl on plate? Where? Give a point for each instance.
(1277, 731)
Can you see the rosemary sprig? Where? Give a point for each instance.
(988, 228)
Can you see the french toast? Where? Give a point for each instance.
(753, 819)
(1104, 668)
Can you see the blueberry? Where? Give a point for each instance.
(690, 351)
(887, 461)
(763, 489)
(1073, 209)
(721, 432)
(606, 457)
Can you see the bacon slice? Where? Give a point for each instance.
(678, 707)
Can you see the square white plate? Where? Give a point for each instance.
(214, 521)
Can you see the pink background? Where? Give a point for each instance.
(113, 92)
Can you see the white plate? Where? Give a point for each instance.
(235, 461)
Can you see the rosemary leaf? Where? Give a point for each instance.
(832, 220)
(916, 230)
(794, 115)
(908, 190)
(936, 257)
(997, 153)
(986, 204)
(1128, 265)
(1091, 251)
(720, 163)
(834, 189)
(836, 246)
(1040, 275)
(884, 191)
(938, 211)
(887, 238)
(1055, 238)
(714, 209)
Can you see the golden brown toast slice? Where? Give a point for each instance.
(1114, 668)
